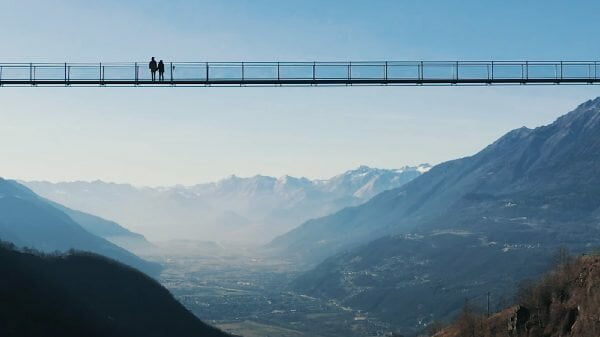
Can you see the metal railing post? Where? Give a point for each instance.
(66, 80)
(135, 73)
(243, 75)
(350, 71)
(492, 70)
(172, 72)
(456, 71)
(314, 71)
(31, 72)
(278, 72)
(422, 72)
(561, 71)
(207, 72)
(385, 71)
(100, 73)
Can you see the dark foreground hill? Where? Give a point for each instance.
(30, 221)
(565, 303)
(477, 224)
(82, 294)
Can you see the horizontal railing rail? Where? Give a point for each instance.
(304, 73)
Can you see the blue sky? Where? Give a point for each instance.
(162, 136)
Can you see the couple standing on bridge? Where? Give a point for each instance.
(160, 66)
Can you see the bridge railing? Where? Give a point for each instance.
(273, 72)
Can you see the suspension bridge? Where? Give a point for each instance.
(399, 73)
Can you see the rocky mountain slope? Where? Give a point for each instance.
(565, 303)
(466, 227)
(82, 294)
(252, 209)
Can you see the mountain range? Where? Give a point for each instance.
(482, 223)
(405, 246)
(28, 220)
(254, 209)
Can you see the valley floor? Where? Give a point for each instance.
(245, 293)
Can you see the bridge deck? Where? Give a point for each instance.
(303, 73)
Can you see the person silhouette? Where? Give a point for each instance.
(161, 70)
(153, 68)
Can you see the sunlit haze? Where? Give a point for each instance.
(165, 136)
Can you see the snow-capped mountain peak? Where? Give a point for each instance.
(212, 211)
